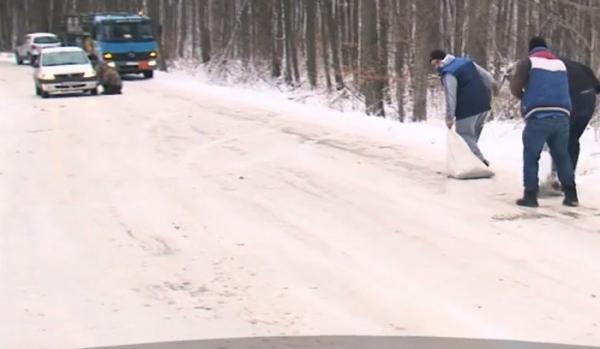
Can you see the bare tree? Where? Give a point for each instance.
(324, 46)
(425, 40)
(205, 44)
(291, 53)
(332, 30)
(351, 40)
(311, 41)
(371, 82)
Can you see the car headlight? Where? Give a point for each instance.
(107, 55)
(46, 76)
(89, 74)
(152, 63)
(112, 64)
(153, 54)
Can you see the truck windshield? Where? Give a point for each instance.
(125, 31)
(64, 58)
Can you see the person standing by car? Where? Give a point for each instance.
(541, 83)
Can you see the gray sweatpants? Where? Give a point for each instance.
(470, 130)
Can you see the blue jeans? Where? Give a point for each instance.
(554, 130)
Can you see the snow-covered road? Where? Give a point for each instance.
(180, 211)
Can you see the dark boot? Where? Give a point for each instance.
(571, 197)
(529, 199)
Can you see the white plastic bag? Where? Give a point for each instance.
(461, 162)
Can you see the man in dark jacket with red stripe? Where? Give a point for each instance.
(541, 83)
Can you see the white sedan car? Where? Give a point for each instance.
(33, 44)
(63, 70)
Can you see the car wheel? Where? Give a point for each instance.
(45, 94)
(18, 59)
(149, 74)
(94, 91)
(38, 91)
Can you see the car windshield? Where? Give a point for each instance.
(64, 58)
(45, 40)
(125, 31)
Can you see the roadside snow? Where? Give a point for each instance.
(501, 140)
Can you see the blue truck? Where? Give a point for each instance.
(125, 41)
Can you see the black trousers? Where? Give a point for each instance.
(584, 106)
(583, 110)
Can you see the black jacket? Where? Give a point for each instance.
(583, 87)
(581, 77)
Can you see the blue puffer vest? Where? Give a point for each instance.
(472, 97)
(547, 89)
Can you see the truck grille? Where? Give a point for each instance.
(131, 56)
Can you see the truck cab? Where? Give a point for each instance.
(125, 41)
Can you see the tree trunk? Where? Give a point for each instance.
(402, 33)
(263, 13)
(244, 34)
(311, 41)
(460, 15)
(324, 45)
(216, 23)
(477, 31)
(229, 17)
(205, 34)
(194, 9)
(182, 28)
(372, 87)
(279, 42)
(425, 39)
(384, 24)
(291, 55)
(333, 43)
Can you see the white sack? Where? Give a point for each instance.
(461, 162)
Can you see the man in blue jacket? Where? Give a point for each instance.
(468, 88)
(541, 83)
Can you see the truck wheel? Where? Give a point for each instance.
(149, 74)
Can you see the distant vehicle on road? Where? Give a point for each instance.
(32, 46)
(125, 41)
(63, 70)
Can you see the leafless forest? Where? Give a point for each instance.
(375, 50)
